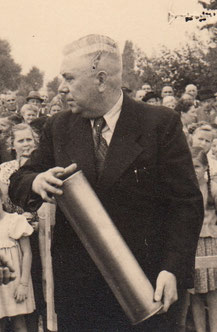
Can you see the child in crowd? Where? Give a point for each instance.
(16, 298)
(205, 284)
(29, 113)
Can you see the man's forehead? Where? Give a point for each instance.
(72, 63)
(167, 88)
(10, 97)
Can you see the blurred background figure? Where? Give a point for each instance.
(29, 112)
(206, 111)
(147, 87)
(167, 90)
(55, 107)
(10, 103)
(34, 98)
(191, 89)
(187, 97)
(169, 101)
(7, 120)
(151, 98)
(44, 107)
(140, 94)
(188, 115)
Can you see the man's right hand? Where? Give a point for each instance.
(48, 183)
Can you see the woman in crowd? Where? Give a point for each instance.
(188, 114)
(7, 120)
(55, 107)
(205, 284)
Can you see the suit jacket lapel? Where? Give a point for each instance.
(124, 147)
(78, 145)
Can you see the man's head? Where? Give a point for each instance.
(187, 97)
(191, 89)
(92, 73)
(169, 101)
(55, 108)
(202, 137)
(146, 87)
(10, 102)
(167, 90)
(34, 98)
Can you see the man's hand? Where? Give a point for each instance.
(166, 290)
(48, 183)
(6, 271)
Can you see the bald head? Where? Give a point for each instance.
(92, 72)
(191, 89)
(94, 53)
(10, 102)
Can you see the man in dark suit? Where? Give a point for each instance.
(140, 167)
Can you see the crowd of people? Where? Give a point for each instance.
(159, 214)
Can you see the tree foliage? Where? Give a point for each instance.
(192, 63)
(54, 85)
(33, 80)
(10, 71)
(211, 55)
(130, 78)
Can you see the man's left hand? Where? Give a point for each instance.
(166, 290)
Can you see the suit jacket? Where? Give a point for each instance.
(148, 186)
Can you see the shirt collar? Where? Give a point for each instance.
(111, 117)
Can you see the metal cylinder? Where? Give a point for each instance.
(107, 248)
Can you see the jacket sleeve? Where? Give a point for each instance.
(42, 159)
(179, 188)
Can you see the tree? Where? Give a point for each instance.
(54, 85)
(9, 70)
(211, 55)
(178, 67)
(129, 77)
(34, 78)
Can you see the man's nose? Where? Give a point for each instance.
(63, 88)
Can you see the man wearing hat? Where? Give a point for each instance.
(34, 98)
(136, 158)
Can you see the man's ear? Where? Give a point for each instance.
(101, 80)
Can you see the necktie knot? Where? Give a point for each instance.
(99, 124)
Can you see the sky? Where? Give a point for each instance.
(37, 30)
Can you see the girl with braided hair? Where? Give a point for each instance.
(205, 282)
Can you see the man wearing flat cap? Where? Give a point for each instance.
(136, 158)
(34, 98)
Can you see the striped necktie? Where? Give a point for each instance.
(100, 144)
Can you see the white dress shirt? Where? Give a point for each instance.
(111, 118)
